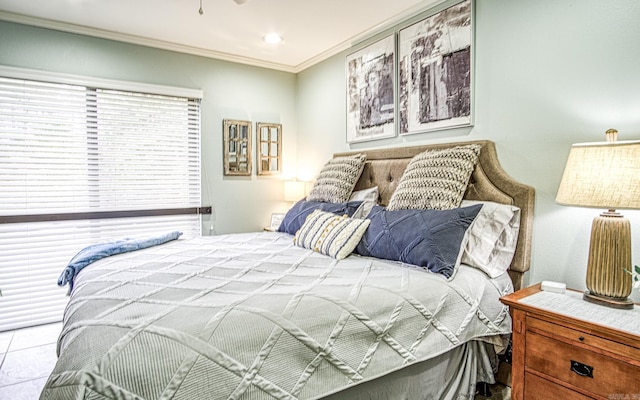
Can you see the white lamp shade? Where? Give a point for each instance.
(294, 190)
(603, 175)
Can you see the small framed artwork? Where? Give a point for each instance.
(435, 71)
(237, 147)
(370, 74)
(269, 148)
(276, 220)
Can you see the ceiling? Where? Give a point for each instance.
(313, 30)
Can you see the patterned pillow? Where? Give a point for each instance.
(337, 179)
(330, 234)
(431, 239)
(295, 217)
(435, 179)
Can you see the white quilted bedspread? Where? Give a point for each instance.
(251, 316)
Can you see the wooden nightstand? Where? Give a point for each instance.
(565, 348)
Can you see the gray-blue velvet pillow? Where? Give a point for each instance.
(295, 217)
(430, 239)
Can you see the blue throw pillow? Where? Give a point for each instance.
(296, 216)
(430, 239)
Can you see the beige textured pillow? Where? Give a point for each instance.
(435, 179)
(329, 234)
(337, 179)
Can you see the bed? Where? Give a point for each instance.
(258, 316)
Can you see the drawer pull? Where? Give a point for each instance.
(582, 369)
(581, 338)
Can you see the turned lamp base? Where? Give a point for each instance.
(608, 269)
(612, 302)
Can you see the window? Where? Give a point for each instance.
(74, 154)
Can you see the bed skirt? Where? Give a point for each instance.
(449, 376)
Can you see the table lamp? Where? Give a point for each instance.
(294, 190)
(605, 175)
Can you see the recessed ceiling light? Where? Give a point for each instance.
(272, 38)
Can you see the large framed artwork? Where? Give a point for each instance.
(371, 91)
(435, 71)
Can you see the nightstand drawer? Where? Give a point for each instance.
(538, 388)
(577, 337)
(581, 368)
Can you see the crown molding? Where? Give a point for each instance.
(139, 40)
(370, 33)
(197, 51)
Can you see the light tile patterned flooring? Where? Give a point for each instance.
(27, 357)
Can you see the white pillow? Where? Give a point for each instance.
(492, 238)
(368, 197)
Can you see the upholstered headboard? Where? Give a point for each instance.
(489, 182)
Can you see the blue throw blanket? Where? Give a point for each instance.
(97, 251)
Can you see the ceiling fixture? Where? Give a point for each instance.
(272, 38)
(238, 2)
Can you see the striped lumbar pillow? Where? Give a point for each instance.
(435, 179)
(330, 234)
(337, 179)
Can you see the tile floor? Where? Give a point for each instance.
(28, 355)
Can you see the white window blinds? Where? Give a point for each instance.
(78, 148)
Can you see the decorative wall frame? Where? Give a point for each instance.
(276, 220)
(237, 147)
(370, 74)
(435, 71)
(269, 148)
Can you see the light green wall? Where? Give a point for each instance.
(230, 91)
(548, 73)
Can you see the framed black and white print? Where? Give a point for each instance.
(435, 71)
(371, 91)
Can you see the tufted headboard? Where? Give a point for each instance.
(489, 182)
